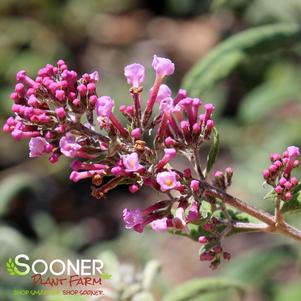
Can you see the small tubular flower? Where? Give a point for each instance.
(134, 74)
(131, 163)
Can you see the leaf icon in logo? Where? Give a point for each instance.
(11, 268)
(105, 276)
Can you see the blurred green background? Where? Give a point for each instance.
(253, 77)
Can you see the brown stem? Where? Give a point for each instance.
(197, 159)
(268, 219)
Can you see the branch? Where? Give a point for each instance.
(270, 223)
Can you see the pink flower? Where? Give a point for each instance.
(159, 225)
(164, 91)
(104, 106)
(94, 76)
(134, 74)
(163, 66)
(68, 145)
(131, 163)
(132, 218)
(167, 180)
(293, 153)
(195, 185)
(166, 105)
(38, 146)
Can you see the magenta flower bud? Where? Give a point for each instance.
(91, 87)
(92, 100)
(187, 173)
(32, 101)
(185, 126)
(206, 256)
(296, 163)
(76, 102)
(60, 112)
(209, 109)
(202, 240)
(14, 96)
(217, 249)
(196, 128)
(193, 213)
(288, 196)
(104, 106)
(278, 189)
(208, 227)
(136, 133)
(82, 90)
(282, 181)
(209, 125)
(218, 174)
(275, 157)
(117, 171)
(131, 163)
(273, 168)
(294, 181)
(60, 95)
(278, 164)
(195, 185)
(167, 180)
(170, 142)
(134, 74)
(163, 66)
(288, 185)
(133, 188)
(178, 221)
(159, 225)
(226, 256)
(132, 218)
(21, 75)
(19, 88)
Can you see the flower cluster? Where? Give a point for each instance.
(62, 115)
(279, 172)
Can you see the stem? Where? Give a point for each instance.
(197, 158)
(270, 222)
(81, 128)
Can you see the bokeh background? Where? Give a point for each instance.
(258, 105)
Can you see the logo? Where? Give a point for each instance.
(57, 272)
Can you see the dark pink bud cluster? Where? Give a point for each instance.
(223, 179)
(62, 114)
(279, 172)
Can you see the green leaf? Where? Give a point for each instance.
(258, 103)
(220, 62)
(198, 287)
(213, 151)
(151, 270)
